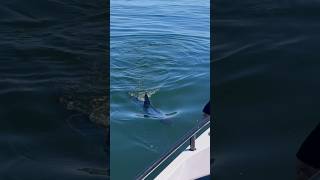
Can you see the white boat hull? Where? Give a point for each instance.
(190, 164)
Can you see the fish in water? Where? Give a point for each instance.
(149, 110)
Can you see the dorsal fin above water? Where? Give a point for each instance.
(146, 102)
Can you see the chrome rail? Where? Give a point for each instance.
(191, 136)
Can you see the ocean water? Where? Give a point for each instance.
(51, 50)
(266, 85)
(160, 47)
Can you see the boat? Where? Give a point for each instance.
(188, 159)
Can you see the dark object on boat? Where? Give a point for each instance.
(206, 109)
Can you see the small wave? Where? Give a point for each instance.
(144, 143)
(146, 58)
(151, 35)
(141, 93)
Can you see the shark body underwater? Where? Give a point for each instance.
(149, 111)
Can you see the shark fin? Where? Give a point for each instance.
(146, 102)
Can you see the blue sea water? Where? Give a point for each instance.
(161, 47)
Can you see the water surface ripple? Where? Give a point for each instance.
(161, 47)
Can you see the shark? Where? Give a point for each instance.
(149, 110)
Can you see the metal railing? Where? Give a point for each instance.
(190, 136)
